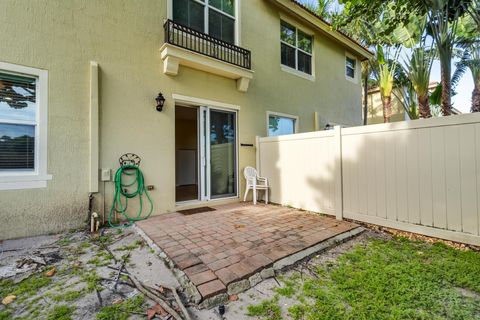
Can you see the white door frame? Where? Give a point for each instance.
(204, 106)
(204, 148)
(205, 164)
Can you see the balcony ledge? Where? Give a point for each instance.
(173, 56)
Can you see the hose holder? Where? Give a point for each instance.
(125, 190)
(130, 159)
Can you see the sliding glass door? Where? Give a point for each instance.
(218, 134)
(223, 177)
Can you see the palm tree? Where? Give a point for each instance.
(418, 71)
(470, 60)
(407, 97)
(474, 11)
(443, 17)
(323, 8)
(365, 77)
(384, 70)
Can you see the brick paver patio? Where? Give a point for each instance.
(233, 242)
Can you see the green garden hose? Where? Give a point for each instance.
(122, 189)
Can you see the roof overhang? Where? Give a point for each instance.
(300, 12)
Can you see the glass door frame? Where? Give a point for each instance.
(204, 153)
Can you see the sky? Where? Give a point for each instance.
(462, 100)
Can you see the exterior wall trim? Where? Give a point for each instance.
(94, 125)
(174, 56)
(38, 178)
(203, 102)
(283, 115)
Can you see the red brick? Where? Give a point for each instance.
(211, 288)
(169, 244)
(257, 262)
(196, 269)
(178, 252)
(187, 262)
(226, 276)
(208, 258)
(221, 255)
(202, 277)
(198, 251)
(240, 270)
(184, 242)
(219, 264)
(173, 248)
(190, 246)
(235, 258)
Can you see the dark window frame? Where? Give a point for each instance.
(207, 7)
(30, 162)
(353, 68)
(297, 48)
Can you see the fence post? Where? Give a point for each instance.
(257, 154)
(338, 173)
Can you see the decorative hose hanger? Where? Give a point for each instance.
(129, 183)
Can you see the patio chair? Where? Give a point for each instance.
(255, 183)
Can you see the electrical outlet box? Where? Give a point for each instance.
(105, 175)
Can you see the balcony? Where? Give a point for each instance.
(197, 50)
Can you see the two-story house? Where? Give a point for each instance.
(79, 79)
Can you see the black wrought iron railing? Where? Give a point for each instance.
(199, 42)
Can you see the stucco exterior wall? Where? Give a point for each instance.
(375, 108)
(124, 37)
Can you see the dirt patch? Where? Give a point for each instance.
(75, 276)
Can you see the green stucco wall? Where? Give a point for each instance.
(124, 37)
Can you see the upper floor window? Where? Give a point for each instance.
(22, 127)
(214, 17)
(281, 124)
(296, 48)
(350, 67)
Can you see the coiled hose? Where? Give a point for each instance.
(122, 189)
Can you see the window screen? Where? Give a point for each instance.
(350, 67)
(220, 15)
(296, 48)
(278, 125)
(17, 122)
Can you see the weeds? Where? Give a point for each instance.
(62, 312)
(386, 279)
(122, 310)
(267, 310)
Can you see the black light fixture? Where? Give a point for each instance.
(160, 102)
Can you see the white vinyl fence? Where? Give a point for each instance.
(420, 176)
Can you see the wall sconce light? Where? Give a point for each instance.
(160, 102)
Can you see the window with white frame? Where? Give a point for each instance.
(296, 48)
(281, 124)
(350, 67)
(22, 127)
(213, 17)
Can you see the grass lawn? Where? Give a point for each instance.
(383, 279)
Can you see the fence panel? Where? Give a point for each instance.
(300, 169)
(420, 176)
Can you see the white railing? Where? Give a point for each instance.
(420, 176)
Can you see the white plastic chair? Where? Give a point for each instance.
(254, 182)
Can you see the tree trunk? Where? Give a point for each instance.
(424, 107)
(387, 108)
(476, 98)
(446, 88)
